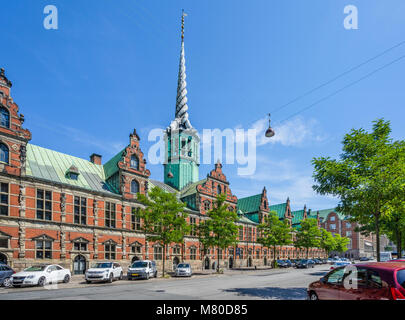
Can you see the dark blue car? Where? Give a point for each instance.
(5, 273)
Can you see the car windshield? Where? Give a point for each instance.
(183, 265)
(401, 277)
(102, 265)
(304, 261)
(139, 264)
(35, 268)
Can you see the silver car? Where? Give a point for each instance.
(142, 269)
(183, 270)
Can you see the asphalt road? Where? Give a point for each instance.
(279, 284)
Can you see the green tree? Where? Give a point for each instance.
(164, 219)
(341, 243)
(367, 177)
(308, 235)
(219, 230)
(273, 232)
(327, 241)
(394, 225)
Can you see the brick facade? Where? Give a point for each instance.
(49, 221)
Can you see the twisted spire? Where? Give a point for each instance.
(181, 115)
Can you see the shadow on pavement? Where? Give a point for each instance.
(271, 293)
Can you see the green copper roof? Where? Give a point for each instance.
(280, 209)
(324, 213)
(111, 166)
(161, 185)
(253, 217)
(51, 165)
(244, 219)
(298, 216)
(250, 204)
(191, 188)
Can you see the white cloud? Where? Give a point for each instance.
(283, 179)
(294, 132)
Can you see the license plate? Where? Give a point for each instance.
(135, 274)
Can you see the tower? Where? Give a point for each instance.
(181, 139)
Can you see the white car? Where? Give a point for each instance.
(339, 264)
(142, 269)
(104, 271)
(40, 275)
(183, 270)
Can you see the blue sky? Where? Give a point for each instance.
(112, 66)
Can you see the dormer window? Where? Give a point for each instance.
(219, 190)
(72, 173)
(134, 162)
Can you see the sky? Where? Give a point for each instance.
(111, 66)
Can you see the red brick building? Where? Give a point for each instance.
(57, 208)
(359, 245)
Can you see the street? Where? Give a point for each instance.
(278, 284)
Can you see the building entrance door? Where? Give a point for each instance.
(176, 261)
(3, 258)
(207, 263)
(79, 265)
(230, 262)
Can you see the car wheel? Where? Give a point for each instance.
(7, 283)
(121, 276)
(147, 276)
(88, 281)
(66, 279)
(41, 281)
(155, 275)
(110, 278)
(129, 278)
(313, 296)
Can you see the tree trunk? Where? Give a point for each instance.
(399, 244)
(307, 253)
(377, 233)
(217, 260)
(164, 259)
(274, 257)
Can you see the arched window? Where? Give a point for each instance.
(4, 117)
(3, 153)
(219, 189)
(134, 162)
(134, 186)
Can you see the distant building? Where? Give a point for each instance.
(360, 245)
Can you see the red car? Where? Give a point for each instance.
(369, 281)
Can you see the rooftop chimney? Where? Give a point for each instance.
(95, 158)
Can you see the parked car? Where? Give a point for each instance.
(385, 256)
(142, 269)
(282, 264)
(369, 281)
(364, 259)
(104, 271)
(289, 263)
(339, 264)
(5, 275)
(183, 270)
(40, 275)
(305, 263)
(317, 261)
(397, 260)
(296, 261)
